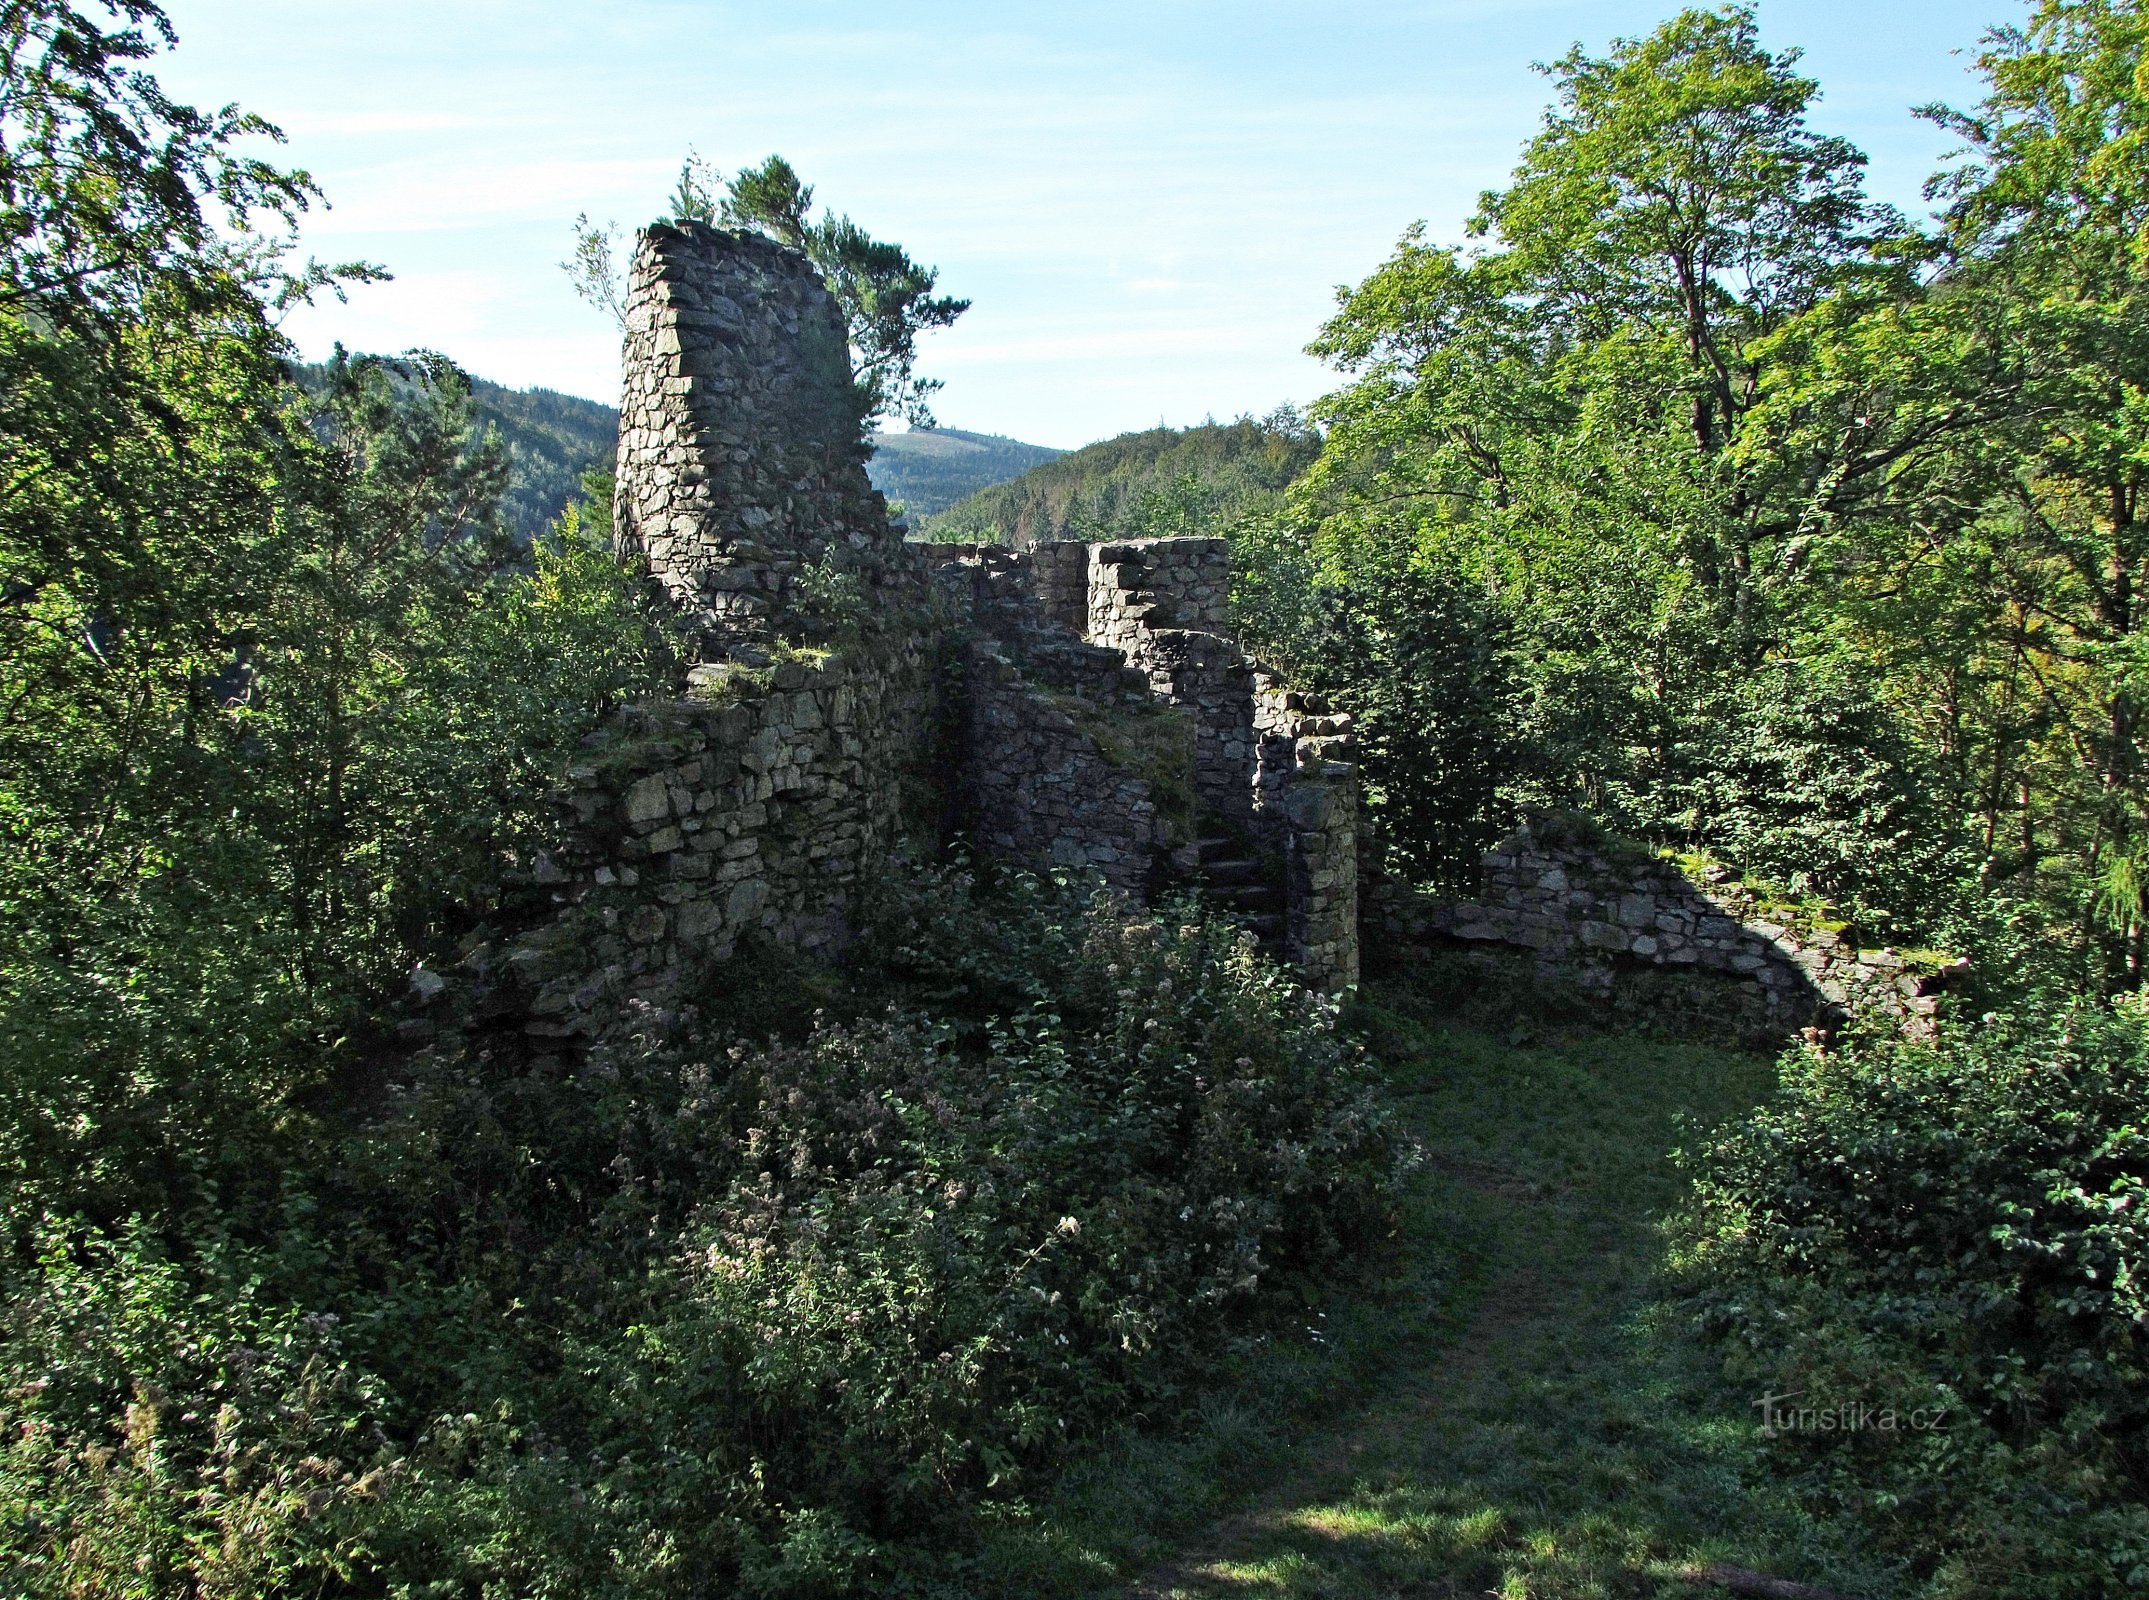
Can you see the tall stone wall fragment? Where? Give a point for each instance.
(741, 473)
(757, 803)
(1265, 759)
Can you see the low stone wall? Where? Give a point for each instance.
(695, 824)
(1595, 919)
(1139, 585)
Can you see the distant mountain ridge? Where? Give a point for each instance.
(1158, 481)
(929, 470)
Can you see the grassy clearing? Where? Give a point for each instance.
(1506, 1411)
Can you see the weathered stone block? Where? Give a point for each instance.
(649, 799)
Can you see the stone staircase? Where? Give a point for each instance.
(1232, 877)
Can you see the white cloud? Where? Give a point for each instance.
(1149, 202)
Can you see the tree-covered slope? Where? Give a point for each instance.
(1133, 484)
(552, 439)
(928, 470)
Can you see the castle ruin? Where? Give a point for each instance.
(854, 701)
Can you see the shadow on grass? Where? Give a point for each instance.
(1506, 1410)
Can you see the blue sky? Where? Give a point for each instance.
(1151, 204)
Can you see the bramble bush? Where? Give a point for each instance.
(1957, 1228)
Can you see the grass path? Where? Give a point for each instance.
(1508, 1412)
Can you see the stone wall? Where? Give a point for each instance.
(1265, 761)
(1214, 681)
(741, 475)
(1060, 580)
(693, 825)
(1043, 779)
(1597, 917)
(1320, 852)
(787, 771)
(1137, 586)
(1305, 789)
(851, 698)
(1039, 788)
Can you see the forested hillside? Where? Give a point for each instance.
(929, 469)
(552, 440)
(1157, 483)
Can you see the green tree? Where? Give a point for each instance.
(887, 298)
(224, 604)
(1565, 408)
(146, 435)
(1981, 533)
(1674, 212)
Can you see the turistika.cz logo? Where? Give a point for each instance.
(1849, 1416)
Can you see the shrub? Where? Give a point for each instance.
(778, 1314)
(170, 1432)
(1955, 1229)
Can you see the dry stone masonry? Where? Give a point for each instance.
(1610, 920)
(1043, 790)
(853, 701)
(699, 824)
(1153, 607)
(741, 478)
(850, 698)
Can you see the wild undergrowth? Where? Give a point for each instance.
(1934, 1255)
(780, 1296)
(1504, 1403)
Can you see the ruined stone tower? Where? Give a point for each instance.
(852, 700)
(741, 475)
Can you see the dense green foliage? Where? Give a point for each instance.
(1707, 499)
(1559, 420)
(780, 1315)
(1792, 530)
(928, 469)
(1951, 1236)
(249, 636)
(1157, 484)
(289, 1305)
